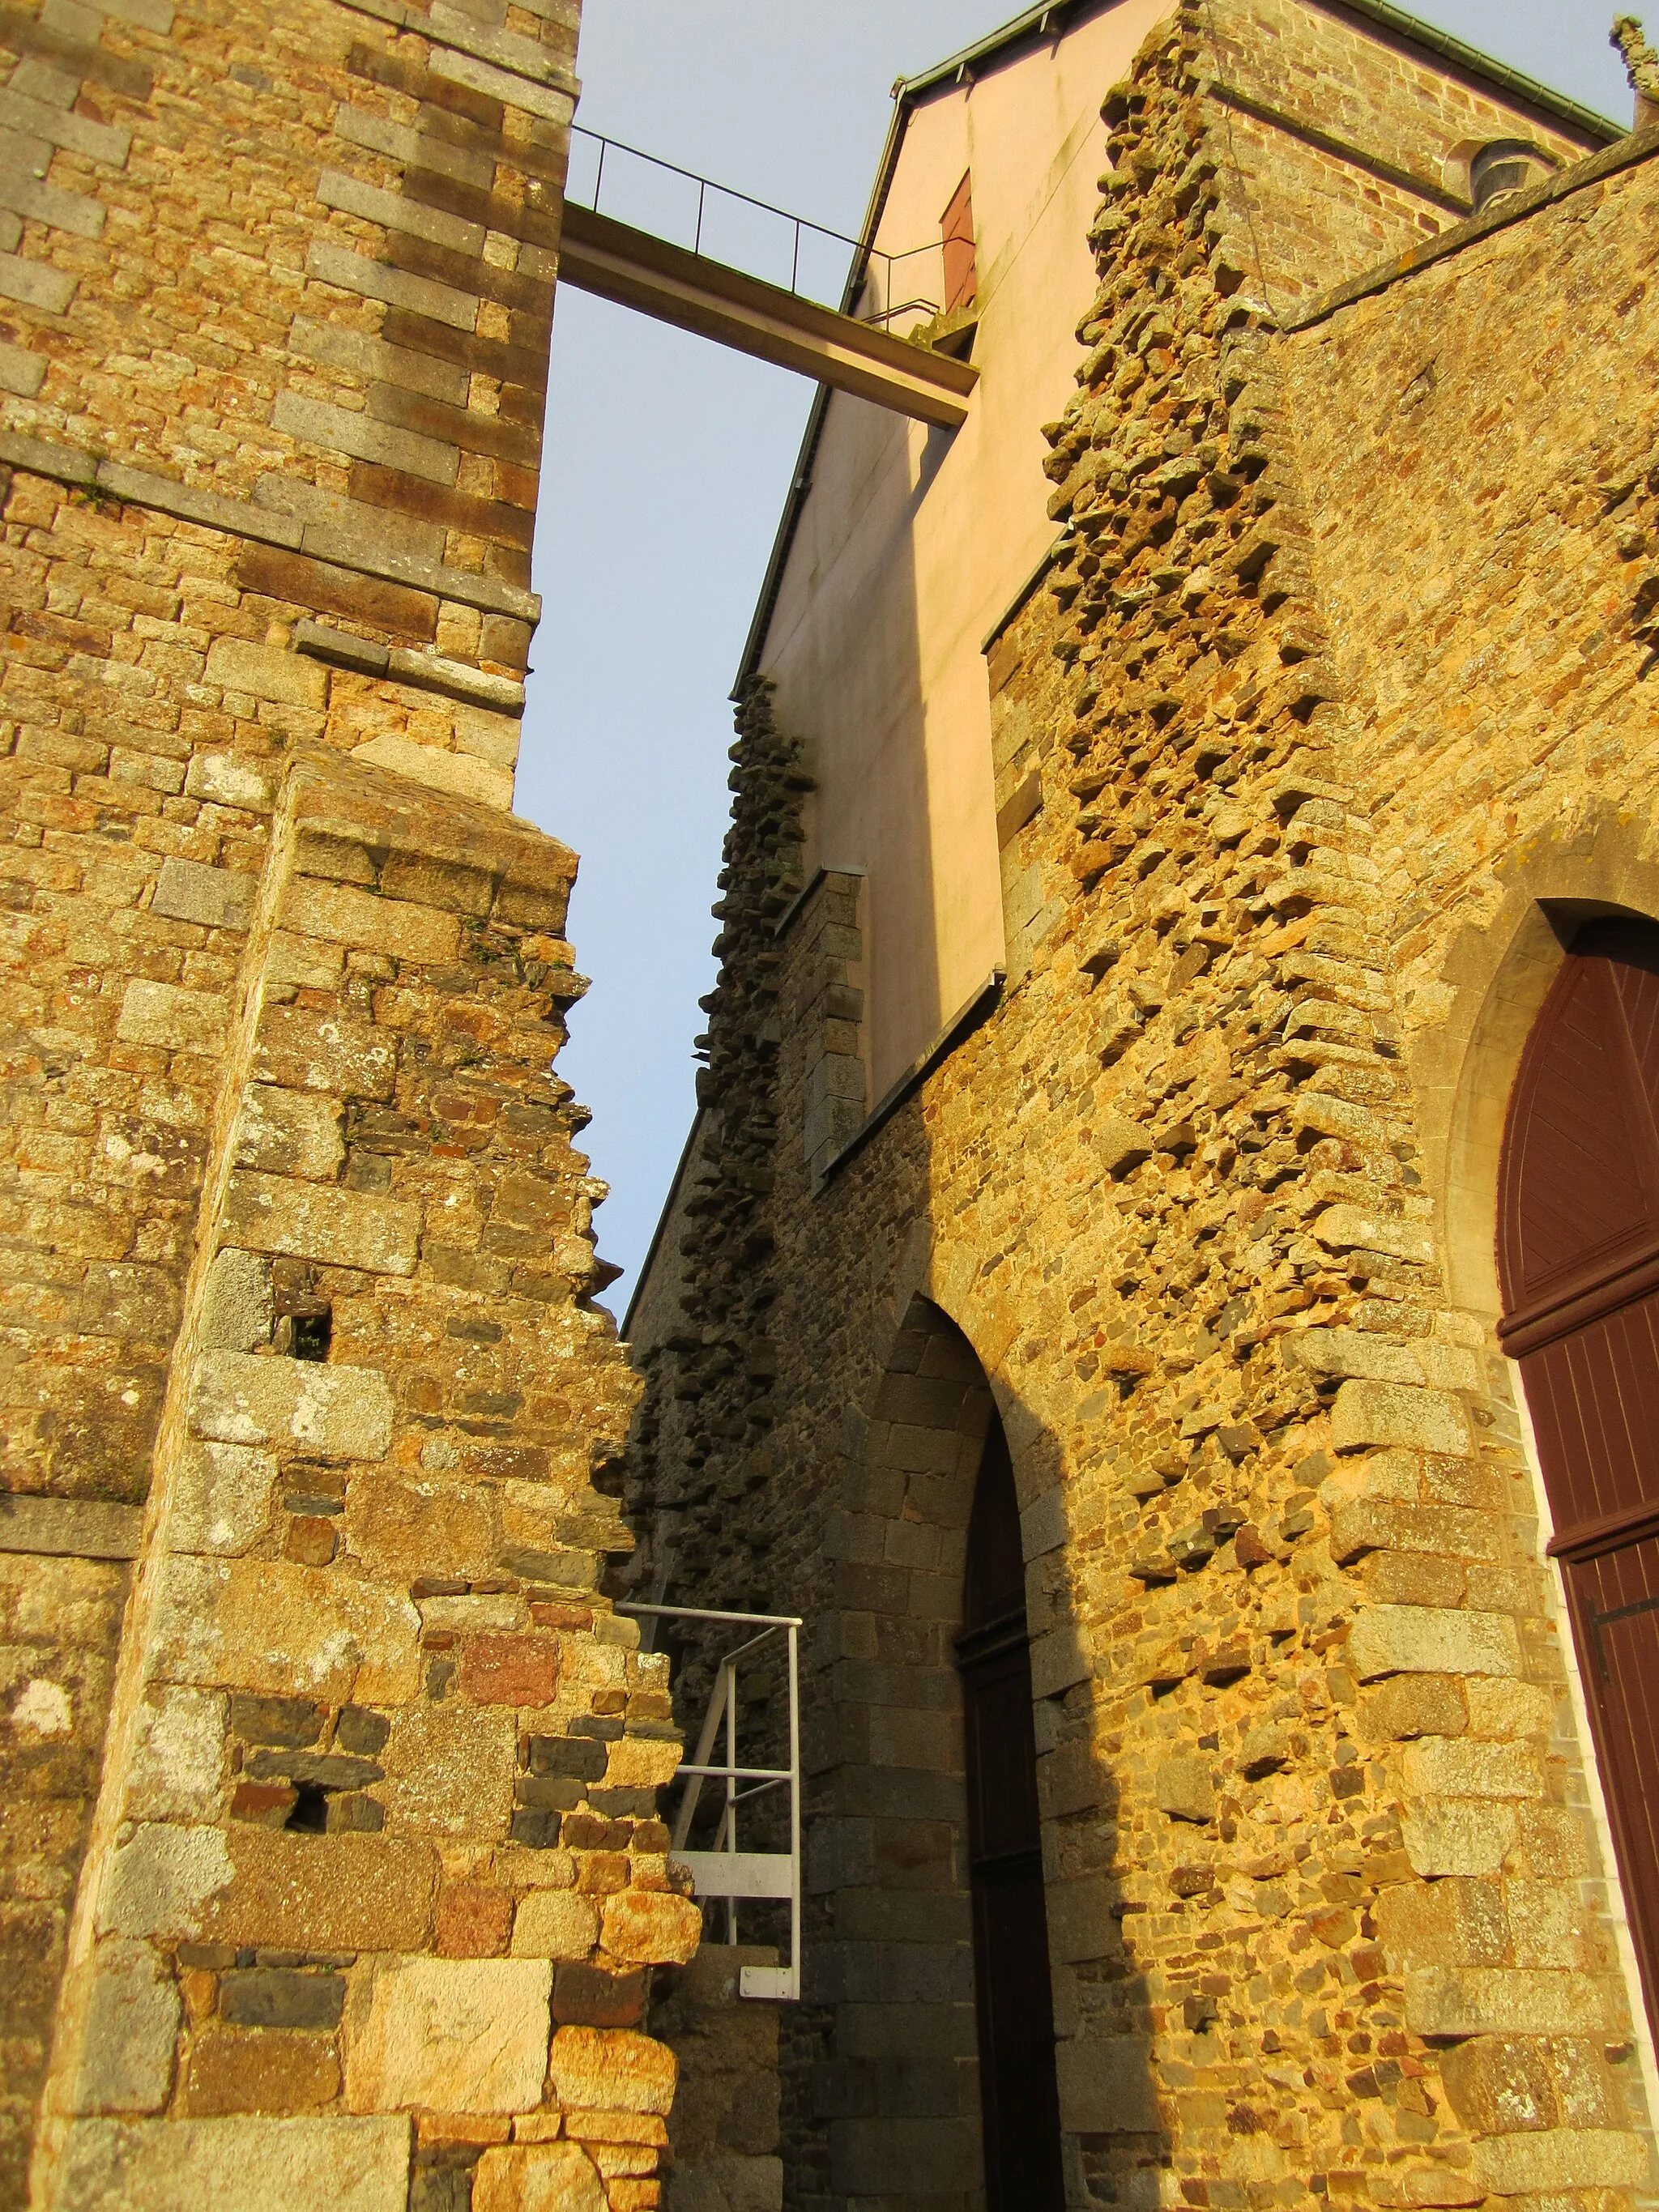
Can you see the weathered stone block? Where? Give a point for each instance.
(1559, 2158)
(232, 779)
(1404, 1639)
(215, 897)
(556, 2177)
(1069, 1780)
(1504, 1710)
(1081, 1925)
(1414, 1578)
(367, 922)
(250, 1886)
(1406, 1705)
(1352, 1228)
(341, 1228)
(1264, 1749)
(161, 1881)
(1185, 1788)
(1501, 2000)
(1058, 1660)
(277, 1997)
(121, 1299)
(176, 1020)
(238, 1309)
(1442, 1766)
(309, 1051)
(69, 1528)
(288, 1133)
(651, 1927)
(1459, 1836)
(611, 2069)
(432, 883)
(265, 671)
(441, 771)
(1503, 2085)
(237, 2070)
(1122, 1143)
(329, 1413)
(177, 1770)
(473, 1922)
(405, 1528)
(1369, 1524)
(132, 2020)
(222, 1498)
(305, 2165)
(285, 1629)
(449, 1772)
(1452, 1923)
(1367, 1413)
(553, 1923)
(510, 1670)
(451, 2035)
(639, 1763)
(1106, 2085)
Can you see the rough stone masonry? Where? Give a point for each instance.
(1335, 671)
(330, 1870)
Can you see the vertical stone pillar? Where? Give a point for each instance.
(831, 954)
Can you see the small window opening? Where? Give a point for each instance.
(957, 229)
(1508, 165)
(310, 1814)
(313, 1334)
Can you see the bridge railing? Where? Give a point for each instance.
(809, 259)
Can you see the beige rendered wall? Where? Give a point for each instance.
(913, 541)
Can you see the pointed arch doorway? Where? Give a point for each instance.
(1578, 1262)
(1019, 2100)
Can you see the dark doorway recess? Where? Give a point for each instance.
(1019, 2098)
(1579, 1258)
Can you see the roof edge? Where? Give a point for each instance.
(1385, 16)
(643, 1279)
(1530, 89)
(1036, 20)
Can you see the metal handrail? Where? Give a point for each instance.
(864, 254)
(724, 1871)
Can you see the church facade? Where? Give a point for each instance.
(1160, 1280)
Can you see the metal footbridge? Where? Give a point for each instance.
(695, 289)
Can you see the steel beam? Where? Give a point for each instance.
(695, 294)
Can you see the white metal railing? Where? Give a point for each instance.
(725, 1871)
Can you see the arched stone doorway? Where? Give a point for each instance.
(1019, 2100)
(1579, 1262)
(925, 1642)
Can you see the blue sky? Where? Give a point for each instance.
(667, 463)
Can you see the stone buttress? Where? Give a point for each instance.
(330, 1873)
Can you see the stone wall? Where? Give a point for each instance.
(1329, 1913)
(378, 1816)
(331, 1872)
(1345, 143)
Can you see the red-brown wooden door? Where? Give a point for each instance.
(1579, 1257)
(1014, 1998)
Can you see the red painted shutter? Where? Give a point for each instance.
(956, 227)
